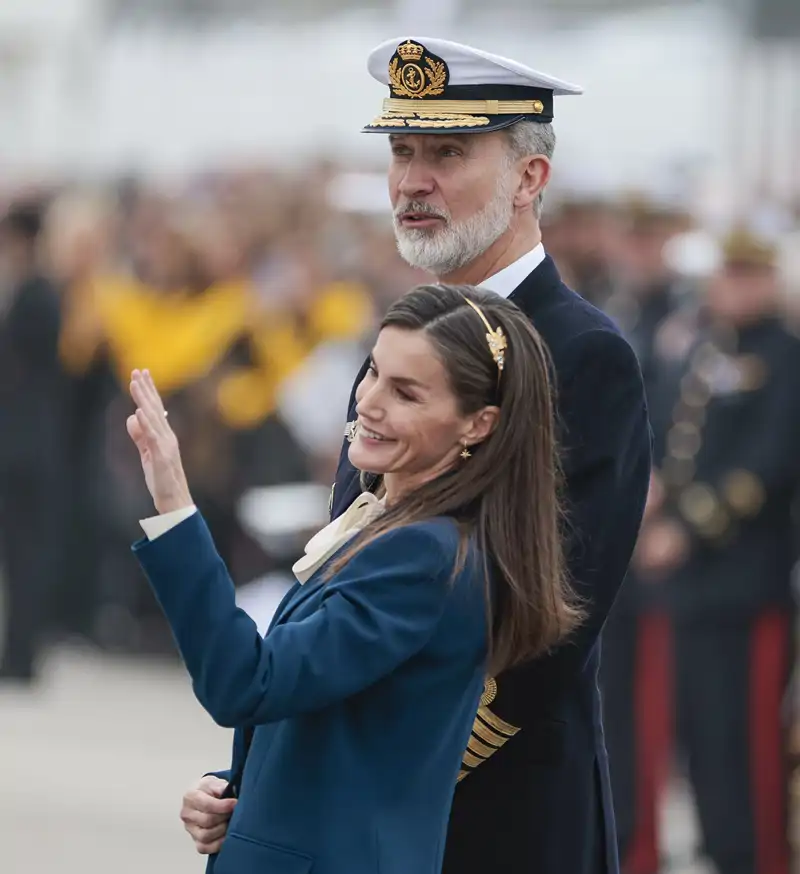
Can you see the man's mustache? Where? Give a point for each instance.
(419, 207)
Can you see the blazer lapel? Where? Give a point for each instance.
(539, 288)
(347, 486)
(277, 616)
(303, 593)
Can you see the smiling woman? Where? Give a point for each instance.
(455, 414)
(403, 604)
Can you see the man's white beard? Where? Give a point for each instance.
(442, 250)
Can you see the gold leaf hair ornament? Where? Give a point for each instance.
(495, 338)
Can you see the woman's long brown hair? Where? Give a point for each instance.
(506, 496)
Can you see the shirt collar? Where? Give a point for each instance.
(505, 281)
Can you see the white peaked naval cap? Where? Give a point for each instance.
(438, 86)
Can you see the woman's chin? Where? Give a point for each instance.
(367, 460)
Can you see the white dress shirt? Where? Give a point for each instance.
(509, 278)
(155, 526)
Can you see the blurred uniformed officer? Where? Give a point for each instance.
(634, 669)
(731, 468)
(579, 230)
(30, 453)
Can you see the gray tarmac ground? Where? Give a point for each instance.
(94, 766)
(96, 760)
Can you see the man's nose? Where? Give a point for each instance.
(417, 181)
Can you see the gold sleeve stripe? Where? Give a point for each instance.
(480, 749)
(486, 734)
(496, 723)
(472, 761)
(478, 752)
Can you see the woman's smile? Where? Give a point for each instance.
(372, 436)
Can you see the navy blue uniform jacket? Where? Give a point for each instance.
(537, 797)
(361, 695)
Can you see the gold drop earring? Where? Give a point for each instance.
(465, 453)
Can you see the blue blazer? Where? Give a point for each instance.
(361, 695)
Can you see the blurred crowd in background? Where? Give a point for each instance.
(223, 290)
(252, 297)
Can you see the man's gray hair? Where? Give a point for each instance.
(527, 138)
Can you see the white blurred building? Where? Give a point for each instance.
(670, 89)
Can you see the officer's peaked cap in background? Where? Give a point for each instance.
(744, 246)
(437, 86)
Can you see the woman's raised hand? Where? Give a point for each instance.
(158, 446)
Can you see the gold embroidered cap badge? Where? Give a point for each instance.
(415, 73)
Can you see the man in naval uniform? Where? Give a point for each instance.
(471, 144)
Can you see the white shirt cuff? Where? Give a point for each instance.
(155, 526)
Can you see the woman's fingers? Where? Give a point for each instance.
(150, 391)
(157, 445)
(147, 399)
(141, 392)
(149, 434)
(135, 430)
(153, 392)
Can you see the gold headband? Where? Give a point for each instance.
(495, 338)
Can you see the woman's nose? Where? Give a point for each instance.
(368, 404)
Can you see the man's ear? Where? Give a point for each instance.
(535, 176)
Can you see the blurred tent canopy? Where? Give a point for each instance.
(775, 20)
(765, 19)
(197, 12)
